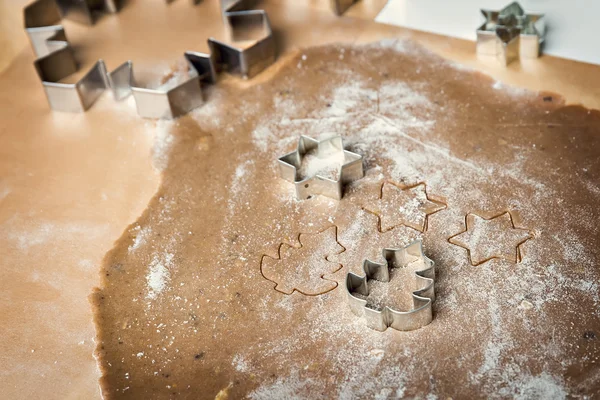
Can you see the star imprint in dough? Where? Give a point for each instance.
(404, 205)
(496, 237)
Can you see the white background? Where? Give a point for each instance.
(573, 26)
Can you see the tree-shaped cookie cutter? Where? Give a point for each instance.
(290, 164)
(423, 295)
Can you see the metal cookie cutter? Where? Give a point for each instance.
(423, 296)
(173, 101)
(56, 60)
(290, 164)
(252, 27)
(511, 33)
(83, 10)
(167, 102)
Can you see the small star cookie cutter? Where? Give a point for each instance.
(423, 295)
(511, 33)
(350, 170)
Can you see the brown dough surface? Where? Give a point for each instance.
(185, 312)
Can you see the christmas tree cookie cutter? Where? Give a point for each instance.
(511, 33)
(423, 296)
(350, 170)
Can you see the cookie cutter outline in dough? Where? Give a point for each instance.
(339, 7)
(469, 218)
(511, 33)
(351, 169)
(55, 60)
(423, 295)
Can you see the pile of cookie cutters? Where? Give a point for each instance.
(56, 61)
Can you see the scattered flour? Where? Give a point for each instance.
(327, 164)
(163, 141)
(141, 236)
(42, 232)
(291, 388)
(4, 191)
(159, 274)
(398, 45)
(514, 90)
(240, 363)
(210, 115)
(239, 183)
(86, 265)
(261, 137)
(541, 387)
(351, 97)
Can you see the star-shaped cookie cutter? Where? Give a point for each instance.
(423, 295)
(511, 33)
(290, 164)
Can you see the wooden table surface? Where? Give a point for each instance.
(65, 198)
